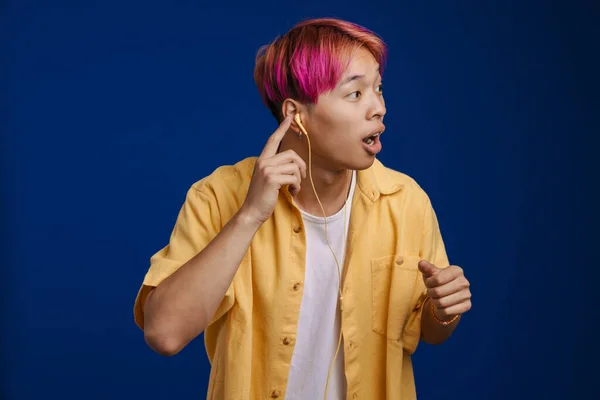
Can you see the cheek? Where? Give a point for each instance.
(337, 127)
(334, 125)
(336, 135)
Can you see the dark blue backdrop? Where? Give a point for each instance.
(111, 110)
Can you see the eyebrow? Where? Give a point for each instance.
(354, 78)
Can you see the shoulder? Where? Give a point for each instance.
(224, 190)
(398, 184)
(408, 201)
(227, 178)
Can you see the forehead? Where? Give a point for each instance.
(362, 62)
(362, 67)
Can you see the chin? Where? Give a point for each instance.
(363, 164)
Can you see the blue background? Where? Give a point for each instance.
(111, 110)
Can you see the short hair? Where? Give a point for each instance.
(310, 59)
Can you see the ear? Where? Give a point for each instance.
(290, 106)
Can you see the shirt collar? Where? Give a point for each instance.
(373, 182)
(378, 180)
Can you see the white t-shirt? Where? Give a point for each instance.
(319, 322)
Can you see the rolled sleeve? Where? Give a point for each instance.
(434, 251)
(198, 222)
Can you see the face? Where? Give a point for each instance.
(342, 120)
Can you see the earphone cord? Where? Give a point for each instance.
(341, 297)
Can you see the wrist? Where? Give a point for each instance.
(444, 320)
(246, 218)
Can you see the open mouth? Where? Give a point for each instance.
(371, 139)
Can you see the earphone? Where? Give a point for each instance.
(341, 297)
(302, 129)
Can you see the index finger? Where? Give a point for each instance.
(273, 143)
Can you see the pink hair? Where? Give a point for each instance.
(310, 60)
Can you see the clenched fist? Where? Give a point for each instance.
(448, 289)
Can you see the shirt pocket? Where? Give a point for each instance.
(393, 280)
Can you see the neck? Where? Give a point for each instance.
(331, 185)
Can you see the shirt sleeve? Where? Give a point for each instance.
(434, 251)
(197, 224)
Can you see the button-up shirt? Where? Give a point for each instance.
(250, 340)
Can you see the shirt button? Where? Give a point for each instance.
(297, 287)
(400, 261)
(275, 394)
(286, 341)
(297, 229)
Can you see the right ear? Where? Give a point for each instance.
(292, 107)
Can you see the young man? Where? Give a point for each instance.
(275, 286)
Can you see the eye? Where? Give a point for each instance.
(354, 95)
(380, 88)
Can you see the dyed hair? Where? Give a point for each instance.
(310, 60)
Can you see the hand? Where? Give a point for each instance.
(271, 172)
(448, 289)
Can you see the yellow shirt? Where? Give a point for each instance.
(250, 340)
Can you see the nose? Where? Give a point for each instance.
(377, 110)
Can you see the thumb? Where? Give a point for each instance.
(427, 269)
